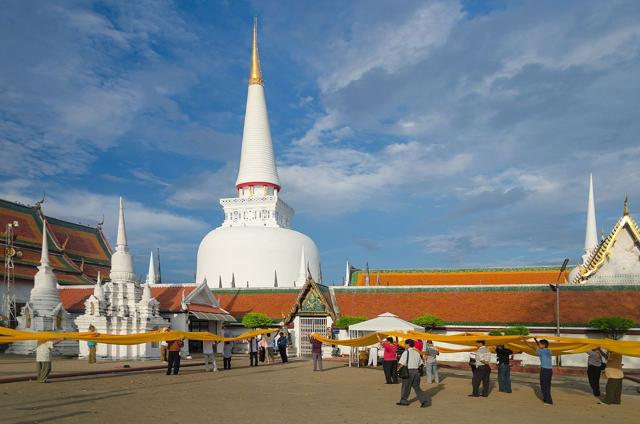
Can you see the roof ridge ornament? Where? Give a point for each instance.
(625, 210)
(255, 75)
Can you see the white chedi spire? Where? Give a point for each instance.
(257, 160)
(121, 260)
(98, 292)
(591, 235)
(151, 275)
(44, 295)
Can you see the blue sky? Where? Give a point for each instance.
(408, 134)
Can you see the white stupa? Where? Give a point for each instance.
(254, 243)
(121, 305)
(44, 311)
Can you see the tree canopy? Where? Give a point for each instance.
(516, 330)
(344, 322)
(613, 326)
(429, 321)
(256, 320)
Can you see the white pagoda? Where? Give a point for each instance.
(122, 306)
(255, 244)
(44, 311)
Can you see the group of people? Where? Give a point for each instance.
(415, 359)
(409, 362)
(598, 360)
(260, 349)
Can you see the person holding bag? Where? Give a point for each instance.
(409, 371)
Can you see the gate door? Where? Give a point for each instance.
(310, 325)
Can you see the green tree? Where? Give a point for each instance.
(614, 327)
(256, 320)
(516, 330)
(344, 322)
(429, 321)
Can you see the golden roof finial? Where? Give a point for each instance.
(626, 205)
(255, 76)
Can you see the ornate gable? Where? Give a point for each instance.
(616, 260)
(313, 299)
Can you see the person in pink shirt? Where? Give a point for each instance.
(418, 345)
(390, 360)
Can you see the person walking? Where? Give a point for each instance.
(615, 375)
(316, 353)
(594, 369)
(546, 368)
(373, 356)
(504, 368)
(43, 358)
(390, 361)
(209, 353)
(92, 347)
(227, 350)
(173, 348)
(431, 362)
(253, 351)
(411, 359)
(283, 342)
(482, 372)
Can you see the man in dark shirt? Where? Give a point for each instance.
(504, 369)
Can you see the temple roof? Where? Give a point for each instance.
(602, 252)
(77, 252)
(462, 276)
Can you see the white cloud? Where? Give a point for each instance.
(390, 45)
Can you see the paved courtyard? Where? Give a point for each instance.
(291, 393)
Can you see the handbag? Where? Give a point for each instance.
(403, 372)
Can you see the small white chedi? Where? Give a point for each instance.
(44, 311)
(254, 244)
(122, 306)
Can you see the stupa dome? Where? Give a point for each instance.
(256, 255)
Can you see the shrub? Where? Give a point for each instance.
(344, 322)
(614, 327)
(516, 330)
(256, 319)
(428, 321)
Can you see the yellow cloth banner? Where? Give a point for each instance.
(8, 335)
(557, 345)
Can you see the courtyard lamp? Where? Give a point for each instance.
(556, 288)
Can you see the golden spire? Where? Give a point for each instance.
(626, 205)
(255, 76)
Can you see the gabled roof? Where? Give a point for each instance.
(602, 252)
(78, 252)
(461, 276)
(310, 295)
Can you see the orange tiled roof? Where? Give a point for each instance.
(205, 308)
(80, 240)
(73, 298)
(491, 305)
(76, 259)
(542, 275)
(275, 303)
(170, 297)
